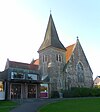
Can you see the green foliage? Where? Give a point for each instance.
(67, 93)
(97, 86)
(95, 92)
(81, 92)
(54, 94)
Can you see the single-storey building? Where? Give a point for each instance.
(19, 80)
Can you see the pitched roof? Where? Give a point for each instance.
(15, 64)
(69, 51)
(98, 77)
(51, 37)
(36, 62)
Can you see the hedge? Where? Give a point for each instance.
(54, 94)
(81, 92)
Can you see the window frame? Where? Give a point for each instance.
(58, 58)
(33, 76)
(80, 72)
(17, 73)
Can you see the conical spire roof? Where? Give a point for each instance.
(51, 37)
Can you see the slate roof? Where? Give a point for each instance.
(14, 64)
(51, 37)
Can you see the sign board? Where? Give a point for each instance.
(2, 95)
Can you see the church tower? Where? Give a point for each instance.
(52, 58)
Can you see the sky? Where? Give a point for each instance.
(23, 25)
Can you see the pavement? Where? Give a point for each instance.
(31, 105)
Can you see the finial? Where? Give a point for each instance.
(50, 11)
(77, 39)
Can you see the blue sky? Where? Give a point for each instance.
(23, 24)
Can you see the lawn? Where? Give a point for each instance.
(6, 106)
(73, 105)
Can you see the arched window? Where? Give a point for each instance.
(80, 72)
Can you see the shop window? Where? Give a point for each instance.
(17, 75)
(44, 91)
(44, 88)
(32, 76)
(1, 86)
(15, 91)
(32, 91)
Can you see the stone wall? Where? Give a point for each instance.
(71, 75)
(52, 67)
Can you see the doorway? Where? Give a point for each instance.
(32, 90)
(15, 91)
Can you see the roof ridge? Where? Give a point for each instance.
(23, 65)
(19, 62)
(71, 45)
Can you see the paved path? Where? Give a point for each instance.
(32, 105)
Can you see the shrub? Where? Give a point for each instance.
(95, 92)
(54, 94)
(81, 92)
(66, 93)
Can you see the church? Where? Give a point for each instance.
(63, 67)
(58, 68)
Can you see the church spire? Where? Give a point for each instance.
(51, 36)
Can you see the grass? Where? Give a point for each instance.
(73, 105)
(6, 106)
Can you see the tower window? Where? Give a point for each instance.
(45, 58)
(58, 58)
